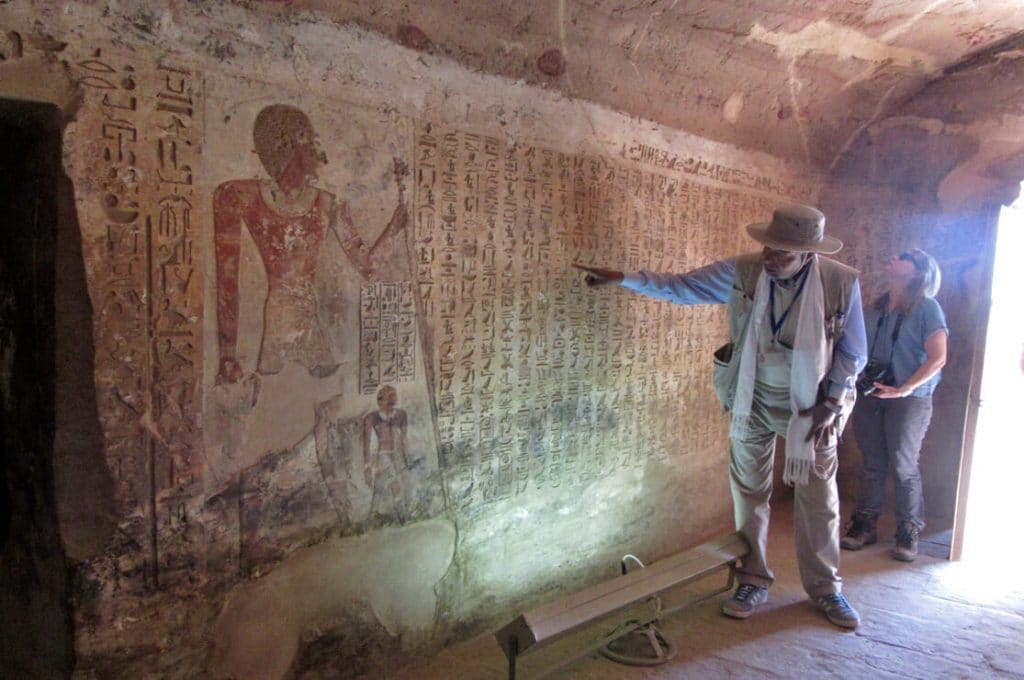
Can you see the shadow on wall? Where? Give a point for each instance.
(87, 507)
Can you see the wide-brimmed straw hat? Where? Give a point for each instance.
(796, 228)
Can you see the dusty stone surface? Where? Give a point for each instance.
(335, 331)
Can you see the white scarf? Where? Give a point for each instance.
(807, 370)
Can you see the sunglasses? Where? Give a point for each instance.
(909, 257)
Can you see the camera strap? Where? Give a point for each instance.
(895, 334)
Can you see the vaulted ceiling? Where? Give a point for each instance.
(800, 79)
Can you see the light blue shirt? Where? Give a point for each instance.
(712, 284)
(920, 323)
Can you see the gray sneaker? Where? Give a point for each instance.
(838, 610)
(745, 600)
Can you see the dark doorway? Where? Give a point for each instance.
(36, 636)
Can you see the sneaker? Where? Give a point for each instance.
(746, 599)
(906, 542)
(860, 531)
(838, 610)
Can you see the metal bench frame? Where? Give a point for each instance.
(550, 622)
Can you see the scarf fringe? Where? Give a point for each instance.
(797, 471)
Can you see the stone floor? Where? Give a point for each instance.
(928, 619)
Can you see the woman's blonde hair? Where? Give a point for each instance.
(925, 283)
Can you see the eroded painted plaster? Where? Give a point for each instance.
(394, 573)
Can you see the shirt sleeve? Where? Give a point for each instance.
(708, 285)
(932, 318)
(851, 351)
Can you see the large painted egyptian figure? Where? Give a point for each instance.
(288, 218)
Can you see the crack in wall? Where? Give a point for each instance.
(795, 85)
(879, 107)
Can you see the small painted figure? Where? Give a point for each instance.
(385, 468)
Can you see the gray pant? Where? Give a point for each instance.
(889, 433)
(816, 504)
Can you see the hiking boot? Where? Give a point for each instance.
(906, 542)
(745, 600)
(861, 530)
(838, 610)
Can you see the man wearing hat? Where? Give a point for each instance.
(797, 344)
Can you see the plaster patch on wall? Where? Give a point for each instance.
(733, 107)
(824, 37)
(392, 572)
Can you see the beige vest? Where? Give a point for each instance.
(837, 282)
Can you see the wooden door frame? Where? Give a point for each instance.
(974, 389)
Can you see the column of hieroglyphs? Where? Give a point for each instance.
(539, 382)
(387, 335)
(139, 140)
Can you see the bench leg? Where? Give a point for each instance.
(513, 652)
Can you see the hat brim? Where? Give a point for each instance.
(827, 245)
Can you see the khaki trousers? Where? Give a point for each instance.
(816, 504)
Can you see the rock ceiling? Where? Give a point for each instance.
(799, 79)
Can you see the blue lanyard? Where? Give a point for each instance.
(777, 325)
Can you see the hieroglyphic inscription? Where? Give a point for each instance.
(139, 141)
(387, 335)
(539, 381)
(720, 172)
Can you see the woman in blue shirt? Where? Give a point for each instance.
(907, 333)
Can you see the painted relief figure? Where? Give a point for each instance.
(288, 217)
(384, 467)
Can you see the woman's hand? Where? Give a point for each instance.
(889, 392)
(935, 349)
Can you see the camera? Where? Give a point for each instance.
(874, 372)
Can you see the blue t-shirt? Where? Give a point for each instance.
(923, 319)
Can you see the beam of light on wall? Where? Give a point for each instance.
(991, 528)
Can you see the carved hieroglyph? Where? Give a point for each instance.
(139, 140)
(539, 382)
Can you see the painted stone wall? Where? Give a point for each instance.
(354, 402)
